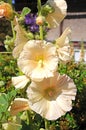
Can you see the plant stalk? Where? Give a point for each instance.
(46, 125)
(39, 14)
(28, 117)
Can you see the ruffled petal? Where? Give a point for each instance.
(38, 60)
(20, 81)
(58, 15)
(52, 97)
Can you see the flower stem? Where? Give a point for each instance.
(46, 125)
(28, 117)
(5, 52)
(39, 7)
(39, 13)
(10, 2)
(41, 32)
(13, 30)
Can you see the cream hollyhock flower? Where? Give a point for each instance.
(20, 81)
(52, 97)
(63, 46)
(18, 105)
(58, 15)
(38, 60)
(20, 40)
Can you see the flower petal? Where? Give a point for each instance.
(20, 81)
(63, 39)
(58, 15)
(52, 97)
(63, 47)
(20, 40)
(18, 105)
(38, 59)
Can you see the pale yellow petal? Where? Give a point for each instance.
(18, 105)
(20, 81)
(20, 40)
(52, 97)
(54, 111)
(38, 60)
(58, 15)
(63, 46)
(63, 39)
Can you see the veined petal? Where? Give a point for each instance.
(63, 39)
(18, 105)
(20, 81)
(58, 15)
(63, 47)
(55, 110)
(52, 97)
(20, 40)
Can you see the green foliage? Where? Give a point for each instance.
(77, 71)
(8, 68)
(5, 100)
(25, 11)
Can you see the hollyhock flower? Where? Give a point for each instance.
(6, 10)
(38, 60)
(20, 81)
(52, 97)
(20, 40)
(18, 105)
(58, 15)
(63, 46)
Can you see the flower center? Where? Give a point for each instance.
(50, 94)
(40, 63)
(39, 59)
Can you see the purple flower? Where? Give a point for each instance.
(30, 21)
(34, 28)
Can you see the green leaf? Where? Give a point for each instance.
(3, 102)
(11, 95)
(25, 11)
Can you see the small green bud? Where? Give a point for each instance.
(30, 35)
(37, 37)
(46, 9)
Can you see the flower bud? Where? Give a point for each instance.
(6, 10)
(40, 20)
